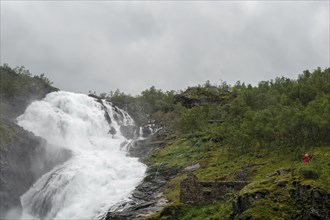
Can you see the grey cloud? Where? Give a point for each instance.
(103, 46)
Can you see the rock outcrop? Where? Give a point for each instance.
(147, 197)
(244, 202)
(198, 95)
(24, 158)
(309, 202)
(128, 131)
(314, 202)
(144, 147)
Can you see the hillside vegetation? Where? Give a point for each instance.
(19, 88)
(277, 114)
(243, 132)
(233, 132)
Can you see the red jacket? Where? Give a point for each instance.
(306, 159)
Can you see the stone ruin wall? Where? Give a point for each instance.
(193, 191)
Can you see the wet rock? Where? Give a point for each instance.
(112, 131)
(143, 148)
(107, 116)
(141, 206)
(139, 195)
(128, 131)
(147, 197)
(146, 131)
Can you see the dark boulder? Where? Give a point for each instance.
(128, 131)
(112, 131)
(146, 131)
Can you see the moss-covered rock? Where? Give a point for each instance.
(272, 177)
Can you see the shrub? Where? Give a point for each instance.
(308, 173)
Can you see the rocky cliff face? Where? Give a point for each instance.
(242, 203)
(315, 202)
(196, 95)
(309, 202)
(25, 158)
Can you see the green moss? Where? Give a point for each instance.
(217, 163)
(219, 210)
(275, 201)
(169, 212)
(176, 155)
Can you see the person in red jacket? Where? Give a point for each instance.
(306, 158)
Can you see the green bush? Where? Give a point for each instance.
(308, 173)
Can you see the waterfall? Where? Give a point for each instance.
(98, 175)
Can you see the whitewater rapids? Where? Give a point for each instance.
(98, 175)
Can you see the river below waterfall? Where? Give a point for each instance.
(98, 175)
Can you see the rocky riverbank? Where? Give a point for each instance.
(147, 198)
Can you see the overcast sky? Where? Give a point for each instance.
(103, 45)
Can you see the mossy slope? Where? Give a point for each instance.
(273, 175)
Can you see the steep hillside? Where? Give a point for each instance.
(256, 134)
(19, 88)
(244, 133)
(23, 156)
(282, 186)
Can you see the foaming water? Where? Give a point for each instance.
(98, 175)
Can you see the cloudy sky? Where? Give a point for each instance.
(105, 45)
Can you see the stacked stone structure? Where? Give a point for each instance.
(193, 191)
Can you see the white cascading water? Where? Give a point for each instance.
(98, 175)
